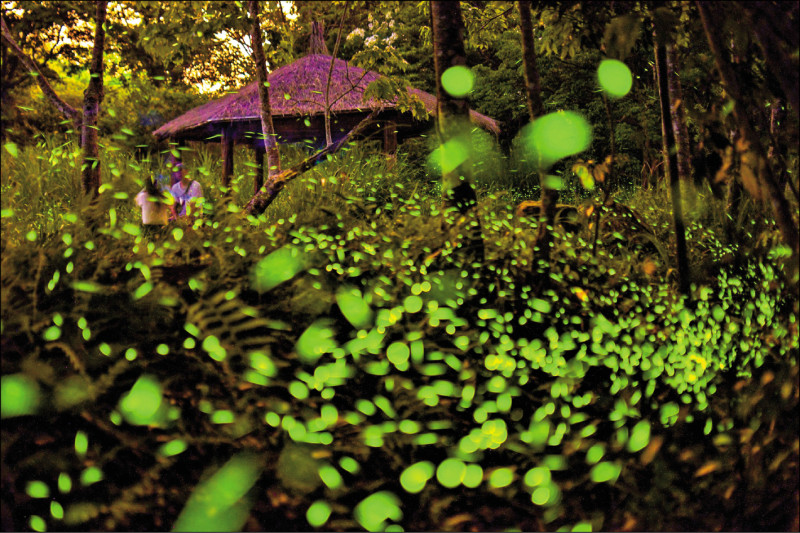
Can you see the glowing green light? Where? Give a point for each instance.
(140, 405)
(398, 353)
(281, 265)
(64, 483)
(450, 155)
(472, 476)
(81, 443)
(330, 476)
(605, 471)
(349, 464)
(413, 304)
(56, 510)
(539, 475)
(315, 341)
(595, 453)
(541, 495)
(19, 395)
(37, 489)
(162, 349)
(373, 511)
(91, 475)
(223, 416)
(353, 307)
(640, 436)
(615, 78)
(414, 478)
(215, 350)
(298, 390)
(173, 447)
(217, 504)
(37, 523)
(502, 477)
(555, 136)
(458, 81)
(52, 333)
(450, 472)
(318, 513)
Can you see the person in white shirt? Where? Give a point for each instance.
(157, 206)
(187, 191)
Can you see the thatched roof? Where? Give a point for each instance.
(298, 89)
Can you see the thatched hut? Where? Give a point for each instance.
(297, 101)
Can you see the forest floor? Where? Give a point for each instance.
(353, 370)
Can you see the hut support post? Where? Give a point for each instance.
(390, 138)
(227, 157)
(258, 180)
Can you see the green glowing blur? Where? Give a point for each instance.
(555, 136)
(318, 513)
(315, 341)
(605, 471)
(218, 503)
(91, 475)
(173, 447)
(451, 472)
(140, 405)
(640, 436)
(20, 395)
(414, 478)
(614, 78)
(37, 489)
(353, 307)
(281, 265)
(373, 511)
(458, 81)
(449, 156)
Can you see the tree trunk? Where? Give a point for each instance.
(660, 34)
(780, 206)
(533, 98)
(92, 98)
(275, 183)
(267, 126)
(327, 118)
(679, 128)
(452, 113)
(453, 124)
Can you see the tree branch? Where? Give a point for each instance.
(66, 109)
(275, 183)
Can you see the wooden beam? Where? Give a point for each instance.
(258, 180)
(227, 157)
(390, 137)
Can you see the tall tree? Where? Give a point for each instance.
(678, 118)
(452, 113)
(93, 97)
(267, 126)
(533, 99)
(763, 173)
(662, 25)
(453, 126)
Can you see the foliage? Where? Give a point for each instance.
(384, 382)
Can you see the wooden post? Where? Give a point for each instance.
(390, 138)
(227, 157)
(258, 180)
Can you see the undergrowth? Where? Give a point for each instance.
(336, 364)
